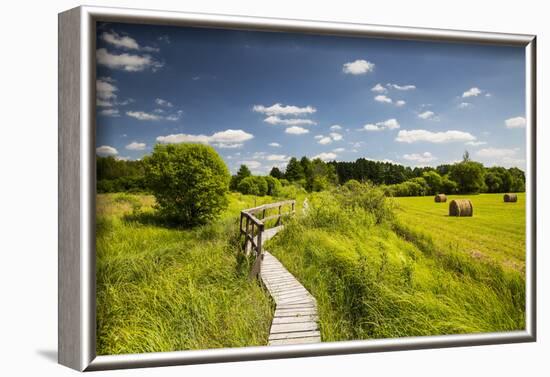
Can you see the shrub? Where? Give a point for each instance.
(253, 186)
(365, 196)
(273, 185)
(189, 182)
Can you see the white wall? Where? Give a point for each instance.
(28, 188)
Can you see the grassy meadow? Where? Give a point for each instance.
(161, 288)
(393, 268)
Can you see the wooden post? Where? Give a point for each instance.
(246, 240)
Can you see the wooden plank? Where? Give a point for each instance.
(294, 341)
(293, 327)
(305, 318)
(301, 334)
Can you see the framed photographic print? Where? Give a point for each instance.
(235, 188)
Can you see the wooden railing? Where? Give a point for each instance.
(253, 224)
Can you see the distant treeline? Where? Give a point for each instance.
(462, 177)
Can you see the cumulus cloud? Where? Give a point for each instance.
(252, 164)
(106, 151)
(400, 103)
(390, 124)
(336, 136)
(105, 91)
(358, 67)
(325, 140)
(335, 127)
(294, 130)
(135, 146)
(516, 122)
(283, 110)
(125, 42)
(273, 119)
(223, 139)
(142, 115)
(476, 143)
(110, 113)
(338, 150)
(472, 92)
(383, 99)
(413, 136)
(163, 102)
(419, 157)
(378, 88)
(464, 105)
(275, 145)
(126, 62)
(402, 87)
(496, 152)
(277, 157)
(326, 156)
(427, 115)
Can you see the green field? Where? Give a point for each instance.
(403, 268)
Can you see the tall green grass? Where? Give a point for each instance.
(165, 289)
(374, 279)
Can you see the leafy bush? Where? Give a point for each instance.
(189, 182)
(367, 197)
(273, 185)
(253, 186)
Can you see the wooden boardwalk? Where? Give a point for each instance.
(295, 320)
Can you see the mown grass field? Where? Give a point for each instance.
(403, 268)
(496, 231)
(165, 289)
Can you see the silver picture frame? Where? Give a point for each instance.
(76, 263)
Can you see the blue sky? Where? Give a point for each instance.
(260, 98)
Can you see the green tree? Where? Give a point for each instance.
(253, 185)
(276, 173)
(273, 185)
(189, 181)
(294, 170)
(242, 173)
(433, 180)
(469, 176)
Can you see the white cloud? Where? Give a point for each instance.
(120, 41)
(516, 122)
(472, 92)
(325, 140)
(496, 152)
(105, 91)
(126, 62)
(296, 130)
(413, 136)
(277, 157)
(222, 139)
(358, 67)
(318, 137)
(124, 41)
(335, 127)
(336, 136)
(174, 117)
(110, 113)
(390, 124)
(476, 143)
(142, 115)
(282, 110)
(275, 145)
(338, 150)
(252, 164)
(106, 150)
(427, 115)
(378, 88)
(382, 98)
(464, 105)
(273, 119)
(326, 156)
(419, 157)
(400, 103)
(135, 146)
(402, 87)
(163, 102)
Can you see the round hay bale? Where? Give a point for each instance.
(440, 198)
(510, 198)
(461, 207)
